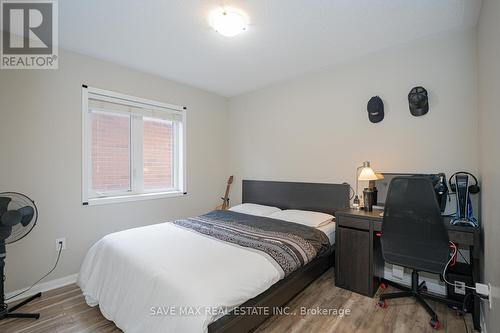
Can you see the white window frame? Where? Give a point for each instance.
(137, 191)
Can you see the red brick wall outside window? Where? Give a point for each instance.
(157, 154)
(111, 156)
(110, 152)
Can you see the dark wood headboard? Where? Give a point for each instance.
(326, 198)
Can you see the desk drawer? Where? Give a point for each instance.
(353, 222)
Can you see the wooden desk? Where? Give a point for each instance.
(359, 265)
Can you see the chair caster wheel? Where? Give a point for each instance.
(434, 324)
(383, 303)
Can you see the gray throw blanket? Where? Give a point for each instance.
(291, 245)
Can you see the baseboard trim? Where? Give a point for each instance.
(42, 287)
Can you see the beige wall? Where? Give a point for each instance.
(40, 155)
(489, 148)
(315, 127)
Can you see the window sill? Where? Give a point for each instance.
(132, 197)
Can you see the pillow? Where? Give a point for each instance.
(254, 209)
(311, 219)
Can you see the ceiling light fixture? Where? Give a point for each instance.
(228, 22)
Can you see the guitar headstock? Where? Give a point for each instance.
(230, 180)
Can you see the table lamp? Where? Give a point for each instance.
(366, 174)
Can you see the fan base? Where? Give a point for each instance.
(8, 313)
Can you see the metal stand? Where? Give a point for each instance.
(5, 311)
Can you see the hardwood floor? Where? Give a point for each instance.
(402, 315)
(65, 310)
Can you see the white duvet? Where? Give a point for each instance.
(143, 278)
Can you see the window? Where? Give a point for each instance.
(133, 149)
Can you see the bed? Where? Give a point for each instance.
(177, 277)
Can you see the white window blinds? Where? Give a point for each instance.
(97, 102)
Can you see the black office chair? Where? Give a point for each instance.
(414, 236)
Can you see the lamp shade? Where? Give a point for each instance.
(367, 173)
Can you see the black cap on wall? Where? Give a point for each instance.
(375, 109)
(418, 101)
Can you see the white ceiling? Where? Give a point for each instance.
(172, 38)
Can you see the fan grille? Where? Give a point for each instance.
(19, 200)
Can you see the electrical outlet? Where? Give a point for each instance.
(60, 241)
(460, 287)
(483, 289)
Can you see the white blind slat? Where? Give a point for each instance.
(110, 104)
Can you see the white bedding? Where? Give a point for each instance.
(134, 273)
(329, 230)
